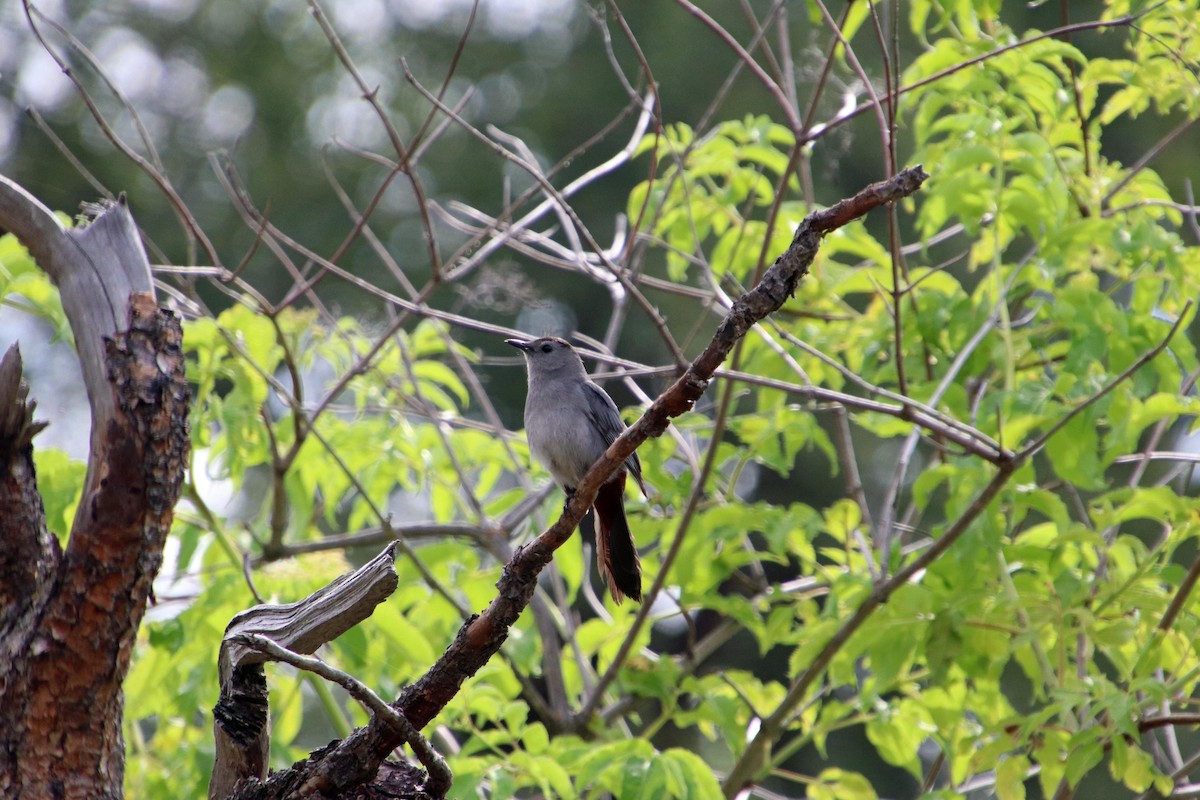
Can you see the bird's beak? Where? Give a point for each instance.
(520, 344)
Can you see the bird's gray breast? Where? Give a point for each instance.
(562, 435)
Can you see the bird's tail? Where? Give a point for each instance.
(616, 554)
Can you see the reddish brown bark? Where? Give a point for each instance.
(62, 695)
(68, 632)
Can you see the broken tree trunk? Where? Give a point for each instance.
(68, 618)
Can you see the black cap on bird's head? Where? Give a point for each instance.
(548, 354)
(546, 344)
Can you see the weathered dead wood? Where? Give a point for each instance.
(241, 718)
(68, 651)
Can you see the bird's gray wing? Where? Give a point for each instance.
(608, 423)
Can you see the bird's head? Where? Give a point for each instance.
(548, 355)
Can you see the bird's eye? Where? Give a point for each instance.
(546, 348)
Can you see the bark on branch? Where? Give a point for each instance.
(353, 761)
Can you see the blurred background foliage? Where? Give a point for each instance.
(1046, 255)
(262, 83)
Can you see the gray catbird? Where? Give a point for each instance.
(570, 422)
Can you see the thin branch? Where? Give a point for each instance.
(1181, 597)
(1142, 360)
(435, 765)
(744, 57)
(1150, 723)
(883, 535)
(1147, 157)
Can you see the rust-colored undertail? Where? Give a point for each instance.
(616, 554)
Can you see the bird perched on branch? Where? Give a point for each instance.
(570, 422)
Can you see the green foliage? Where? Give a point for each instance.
(24, 286)
(1075, 268)
(708, 188)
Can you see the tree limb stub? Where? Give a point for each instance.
(324, 615)
(241, 715)
(96, 269)
(30, 553)
(482, 636)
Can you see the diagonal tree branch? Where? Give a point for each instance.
(353, 761)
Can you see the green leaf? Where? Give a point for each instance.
(1074, 451)
(1010, 777)
(897, 733)
(1086, 751)
(694, 775)
(615, 766)
(944, 643)
(839, 784)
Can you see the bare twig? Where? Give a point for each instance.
(187, 220)
(744, 57)
(1142, 360)
(435, 765)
